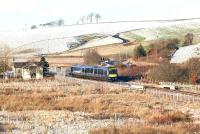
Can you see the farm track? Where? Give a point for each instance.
(176, 95)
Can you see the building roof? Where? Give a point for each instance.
(184, 54)
(25, 64)
(20, 59)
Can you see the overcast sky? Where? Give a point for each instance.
(17, 13)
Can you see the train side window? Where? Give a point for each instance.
(95, 71)
(87, 70)
(83, 70)
(75, 69)
(72, 69)
(91, 70)
(105, 72)
(100, 71)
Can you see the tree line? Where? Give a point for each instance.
(59, 22)
(90, 18)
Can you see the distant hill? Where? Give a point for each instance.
(164, 32)
(50, 40)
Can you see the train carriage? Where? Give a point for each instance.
(94, 72)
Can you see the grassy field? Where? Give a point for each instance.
(165, 32)
(107, 50)
(50, 105)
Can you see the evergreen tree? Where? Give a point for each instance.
(45, 66)
(139, 52)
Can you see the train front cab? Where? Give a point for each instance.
(112, 73)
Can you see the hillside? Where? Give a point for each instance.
(58, 39)
(172, 31)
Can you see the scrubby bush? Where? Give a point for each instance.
(188, 72)
(169, 118)
(163, 48)
(193, 67)
(188, 39)
(165, 43)
(167, 72)
(4, 58)
(4, 66)
(92, 57)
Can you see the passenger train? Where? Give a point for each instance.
(94, 72)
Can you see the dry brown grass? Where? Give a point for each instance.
(102, 102)
(169, 117)
(187, 128)
(70, 87)
(6, 127)
(107, 50)
(102, 106)
(53, 101)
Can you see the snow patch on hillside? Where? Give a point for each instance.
(100, 42)
(54, 40)
(184, 54)
(18, 38)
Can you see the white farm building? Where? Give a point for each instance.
(184, 54)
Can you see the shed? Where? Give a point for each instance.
(32, 71)
(27, 69)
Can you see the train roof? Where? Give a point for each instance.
(83, 66)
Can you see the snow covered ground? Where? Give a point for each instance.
(55, 39)
(183, 54)
(100, 42)
(46, 46)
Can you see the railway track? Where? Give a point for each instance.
(177, 95)
(176, 91)
(190, 93)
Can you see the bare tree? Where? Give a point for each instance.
(97, 17)
(188, 39)
(33, 27)
(61, 22)
(4, 57)
(82, 19)
(78, 21)
(92, 57)
(90, 17)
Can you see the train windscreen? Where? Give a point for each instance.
(112, 71)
